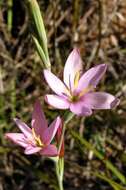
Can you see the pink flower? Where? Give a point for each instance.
(38, 138)
(76, 92)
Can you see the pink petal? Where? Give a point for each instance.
(72, 67)
(55, 83)
(17, 138)
(100, 100)
(32, 150)
(39, 122)
(50, 132)
(91, 77)
(50, 150)
(80, 109)
(23, 127)
(57, 101)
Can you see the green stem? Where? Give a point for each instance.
(59, 172)
(59, 165)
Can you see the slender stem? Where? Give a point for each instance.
(59, 172)
(59, 165)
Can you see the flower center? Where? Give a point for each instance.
(75, 97)
(71, 94)
(37, 139)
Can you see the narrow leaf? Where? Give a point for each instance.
(39, 26)
(108, 164)
(40, 52)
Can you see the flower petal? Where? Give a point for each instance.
(100, 100)
(17, 138)
(23, 127)
(55, 83)
(50, 132)
(32, 150)
(80, 109)
(39, 122)
(57, 101)
(50, 151)
(72, 67)
(91, 77)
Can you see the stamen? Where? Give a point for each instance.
(39, 142)
(76, 79)
(67, 91)
(37, 138)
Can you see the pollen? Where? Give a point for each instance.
(76, 79)
(37, 139)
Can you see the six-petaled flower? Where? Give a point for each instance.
(76, 92)
(38, 138)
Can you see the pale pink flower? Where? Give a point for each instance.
(38, 138)
(76, 92)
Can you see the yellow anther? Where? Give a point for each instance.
(39, 142)
(37, 138)
(76, 79)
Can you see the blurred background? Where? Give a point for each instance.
(98, 29)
